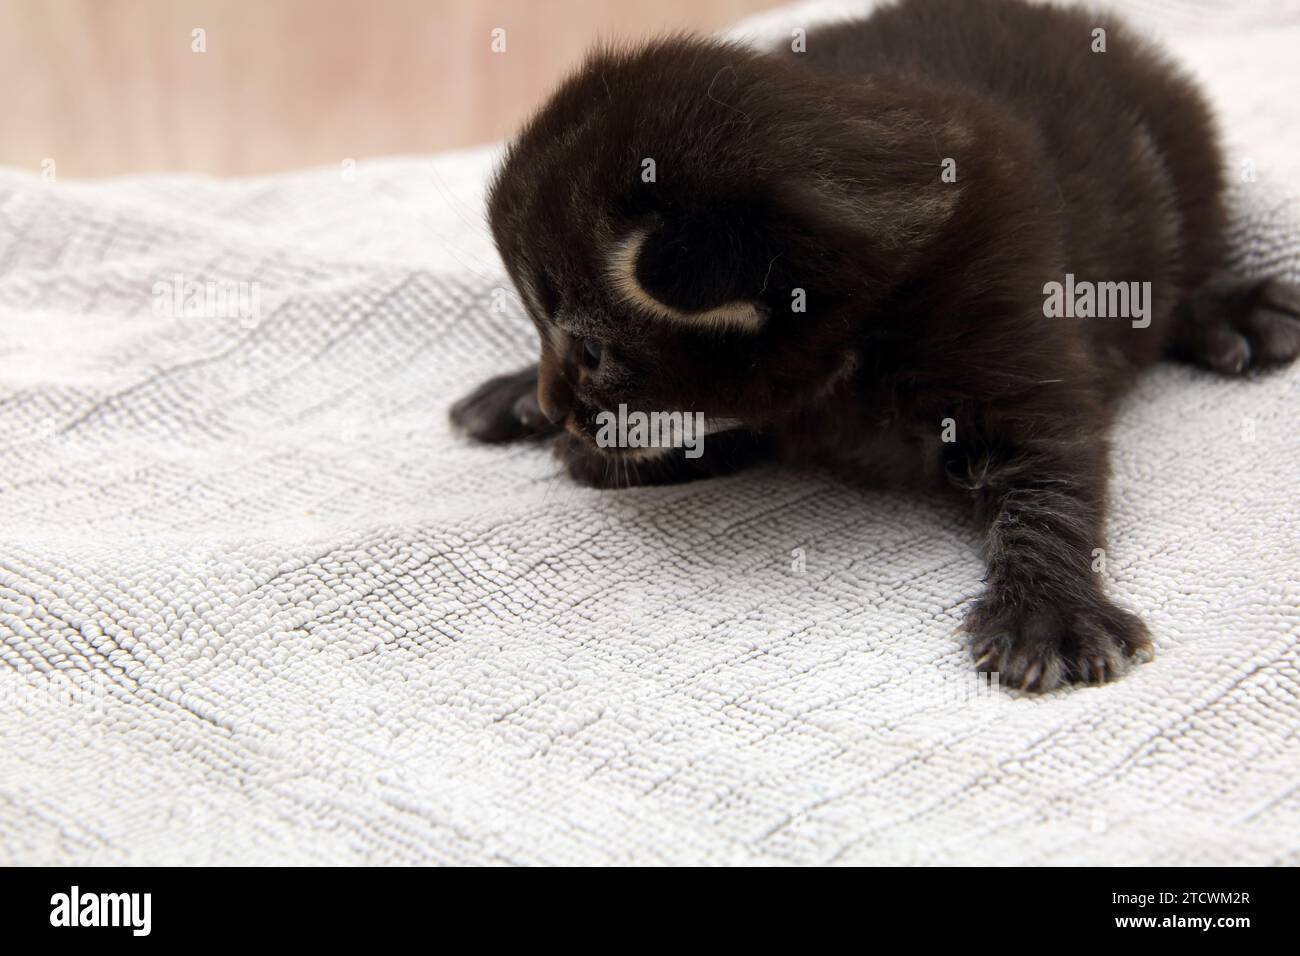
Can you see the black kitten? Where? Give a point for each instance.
(884, 252)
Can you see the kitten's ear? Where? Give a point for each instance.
(713, 266)
(701, 269)
(903, 216)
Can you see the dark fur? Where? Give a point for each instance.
(821, 171)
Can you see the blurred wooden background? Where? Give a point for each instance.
(104, 87)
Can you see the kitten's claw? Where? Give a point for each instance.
(1099, 670)
(1031, 675)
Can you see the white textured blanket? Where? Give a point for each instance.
(259, 604)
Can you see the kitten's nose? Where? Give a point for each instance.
(554, 396)
(554, 413)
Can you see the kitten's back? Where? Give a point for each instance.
(1126, 137)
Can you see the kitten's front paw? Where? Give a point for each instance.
(503, 409)
(1039, 647)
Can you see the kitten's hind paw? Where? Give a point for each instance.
(1272, 324)
(1244, 326)
(503, 409)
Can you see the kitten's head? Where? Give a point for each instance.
(694, 226)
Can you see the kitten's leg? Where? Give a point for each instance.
(723, 453)
(503, 409)
(1234, 325)
(1043, 619)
